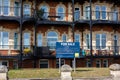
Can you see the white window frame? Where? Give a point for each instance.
(101, 46)
(51, 37)
(1, 61)
(88, 62)
(3, 5)
(98, 62)
(26, 46)
(63, 13)
(57, 62)
(43, 60)
(39, 40)
(1, 40)
(24, 10)
(64, 35)
(46, 13)
(106, 63)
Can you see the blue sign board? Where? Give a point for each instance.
(67, 49)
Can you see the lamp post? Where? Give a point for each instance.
(90, 24)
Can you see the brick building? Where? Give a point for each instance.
(29, 30)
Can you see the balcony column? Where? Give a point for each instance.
(35, 40)
(90, 24)
(21, 15)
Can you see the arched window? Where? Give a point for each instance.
(60, 13)
(26, 40)
(39, 40)
(64, 37)
(116, 48)
(26, 10)
(52, 38)
(45, 8)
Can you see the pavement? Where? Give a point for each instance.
(102, 78)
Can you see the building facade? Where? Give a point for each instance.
(29, 30)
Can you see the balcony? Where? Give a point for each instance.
(13, 51)
(13, 13)
(100, 17)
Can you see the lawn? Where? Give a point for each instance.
(54, 73)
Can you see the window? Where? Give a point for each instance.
(4, 40)
(44, 63)
(62, 62)
(88, 63)
(52, 38)
(77, 38)
(100, 41)
(61, 13)
(45, 8)
(97, 12)
(4, 7)
(26, 10)
(39, 40)
(15, 64)
(88, 41)
(64, 38)
(100, 11)
(77, 14)
(4, 63)
(98, 63)
(103, 9)
(26, 39)
(105, 63)
(116, 48)
(87, 11)
(15, 40)
(16, 9)
(115, 15)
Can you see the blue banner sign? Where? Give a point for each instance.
(67, 50)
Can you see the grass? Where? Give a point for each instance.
(53, 73)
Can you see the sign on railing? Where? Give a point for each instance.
(67, 50)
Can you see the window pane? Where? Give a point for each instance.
(39, 40)
(97, 12)
(15, 40)
(87, 9)
(16, 9)
(64, 38)
(77, 38)
(45, 8)
(6, 7)
(5, 39)
(43, 63)
(52, 38)
(97, 41)
(77, 14)
(88, 41)
(26, 40)
(26, 10)
(103, 12)
(0, 6)
(60, 11)
(103, 40)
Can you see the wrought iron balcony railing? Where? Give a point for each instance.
(14, 50)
